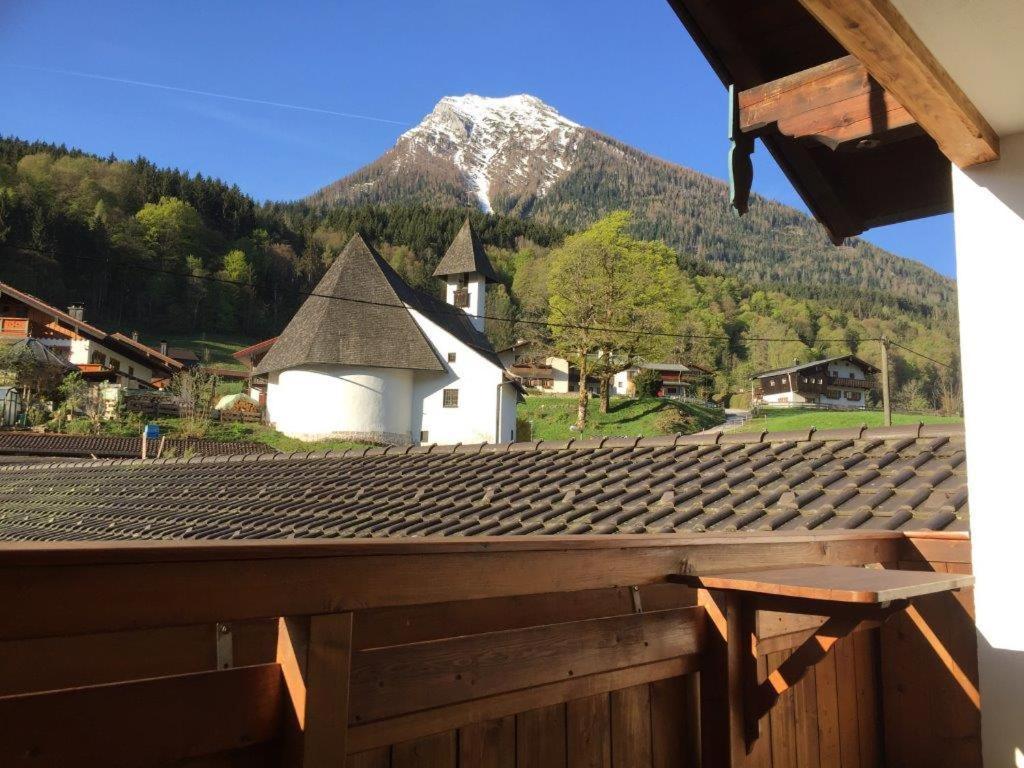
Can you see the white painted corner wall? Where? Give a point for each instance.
(989, 221)
(483, 413)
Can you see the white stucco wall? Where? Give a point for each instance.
(621, 382)
(81, 351)
(477, 287)
(560, 374)
(784, 398)
(315, 402)
(989, 221)
(478, 416)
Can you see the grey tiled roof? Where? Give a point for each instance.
(465, 255)
(901, 478)
(109, 447)
(374, 329)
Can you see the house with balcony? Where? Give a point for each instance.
(835, 382)
(98, 355)
(677, 380)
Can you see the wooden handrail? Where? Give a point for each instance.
(59, 590)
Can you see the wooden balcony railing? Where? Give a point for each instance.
(303, 653)
(14, 326)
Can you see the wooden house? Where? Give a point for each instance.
(97, 354)
(835, 382)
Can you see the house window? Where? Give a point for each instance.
(424, 436)
(451, 357)
(461, 298)
(854, 396)
(771, 382)
(451, 398)
(834, 394)
(131, 371)
(115, 364)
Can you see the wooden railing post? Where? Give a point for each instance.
(315, 654)
(723, 739)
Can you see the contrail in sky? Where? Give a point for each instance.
(194, 92)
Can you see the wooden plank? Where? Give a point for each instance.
(381, 627)
(782, 724)
(937, 550)
(834, 103)
(53, 591)
(869, 723)
(846, 687)
(151, 722)
(388, 682)
(841, 584)
(429, 721)
(805, 707)
(437, 751)
(540, 738)
(760, 755)
(877, 34)
(588, 732)
(631, 727)
(827, 698)
(327, 690)
(671, 724)
(715, 714)
(490, 744)
(796, 639)
(45, 664)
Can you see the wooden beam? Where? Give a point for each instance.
(834, 103)
(160, 721)
(172, 585)
(878, 35)
(315, 654)
(388, 682)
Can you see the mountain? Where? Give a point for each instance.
(518, 156)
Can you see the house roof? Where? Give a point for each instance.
(260, 347)
(108, 447)
(182, 354)
(124, 344)
(868, 367)
(849, 189)
(466, 255)
(41, 353)
(375, 329)
(895, 478)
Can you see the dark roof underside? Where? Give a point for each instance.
(902, 478)
(751, 43)
(466, 255)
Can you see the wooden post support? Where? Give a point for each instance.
(315, 654)
(723, 741)
(886, 402)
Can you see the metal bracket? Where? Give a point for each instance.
(225, 646)
(638, 606)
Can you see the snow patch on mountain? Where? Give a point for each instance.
(511, 143)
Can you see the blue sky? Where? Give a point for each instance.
(627, 69)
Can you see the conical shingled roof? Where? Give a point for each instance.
(374, 330)
(465, 255)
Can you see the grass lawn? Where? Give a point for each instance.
(777, 420)
(551, 416)
(218, 346)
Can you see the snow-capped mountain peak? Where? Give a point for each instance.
(501, 146)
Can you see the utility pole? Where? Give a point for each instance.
(886, 404)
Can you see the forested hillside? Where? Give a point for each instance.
(164, 252)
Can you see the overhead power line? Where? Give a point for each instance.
(461, 313)
(546, 323)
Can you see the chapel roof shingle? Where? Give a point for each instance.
(466, 255)
(897, 478)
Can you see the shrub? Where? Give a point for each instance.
(671, 421)
(524, 430)
(647, 383)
